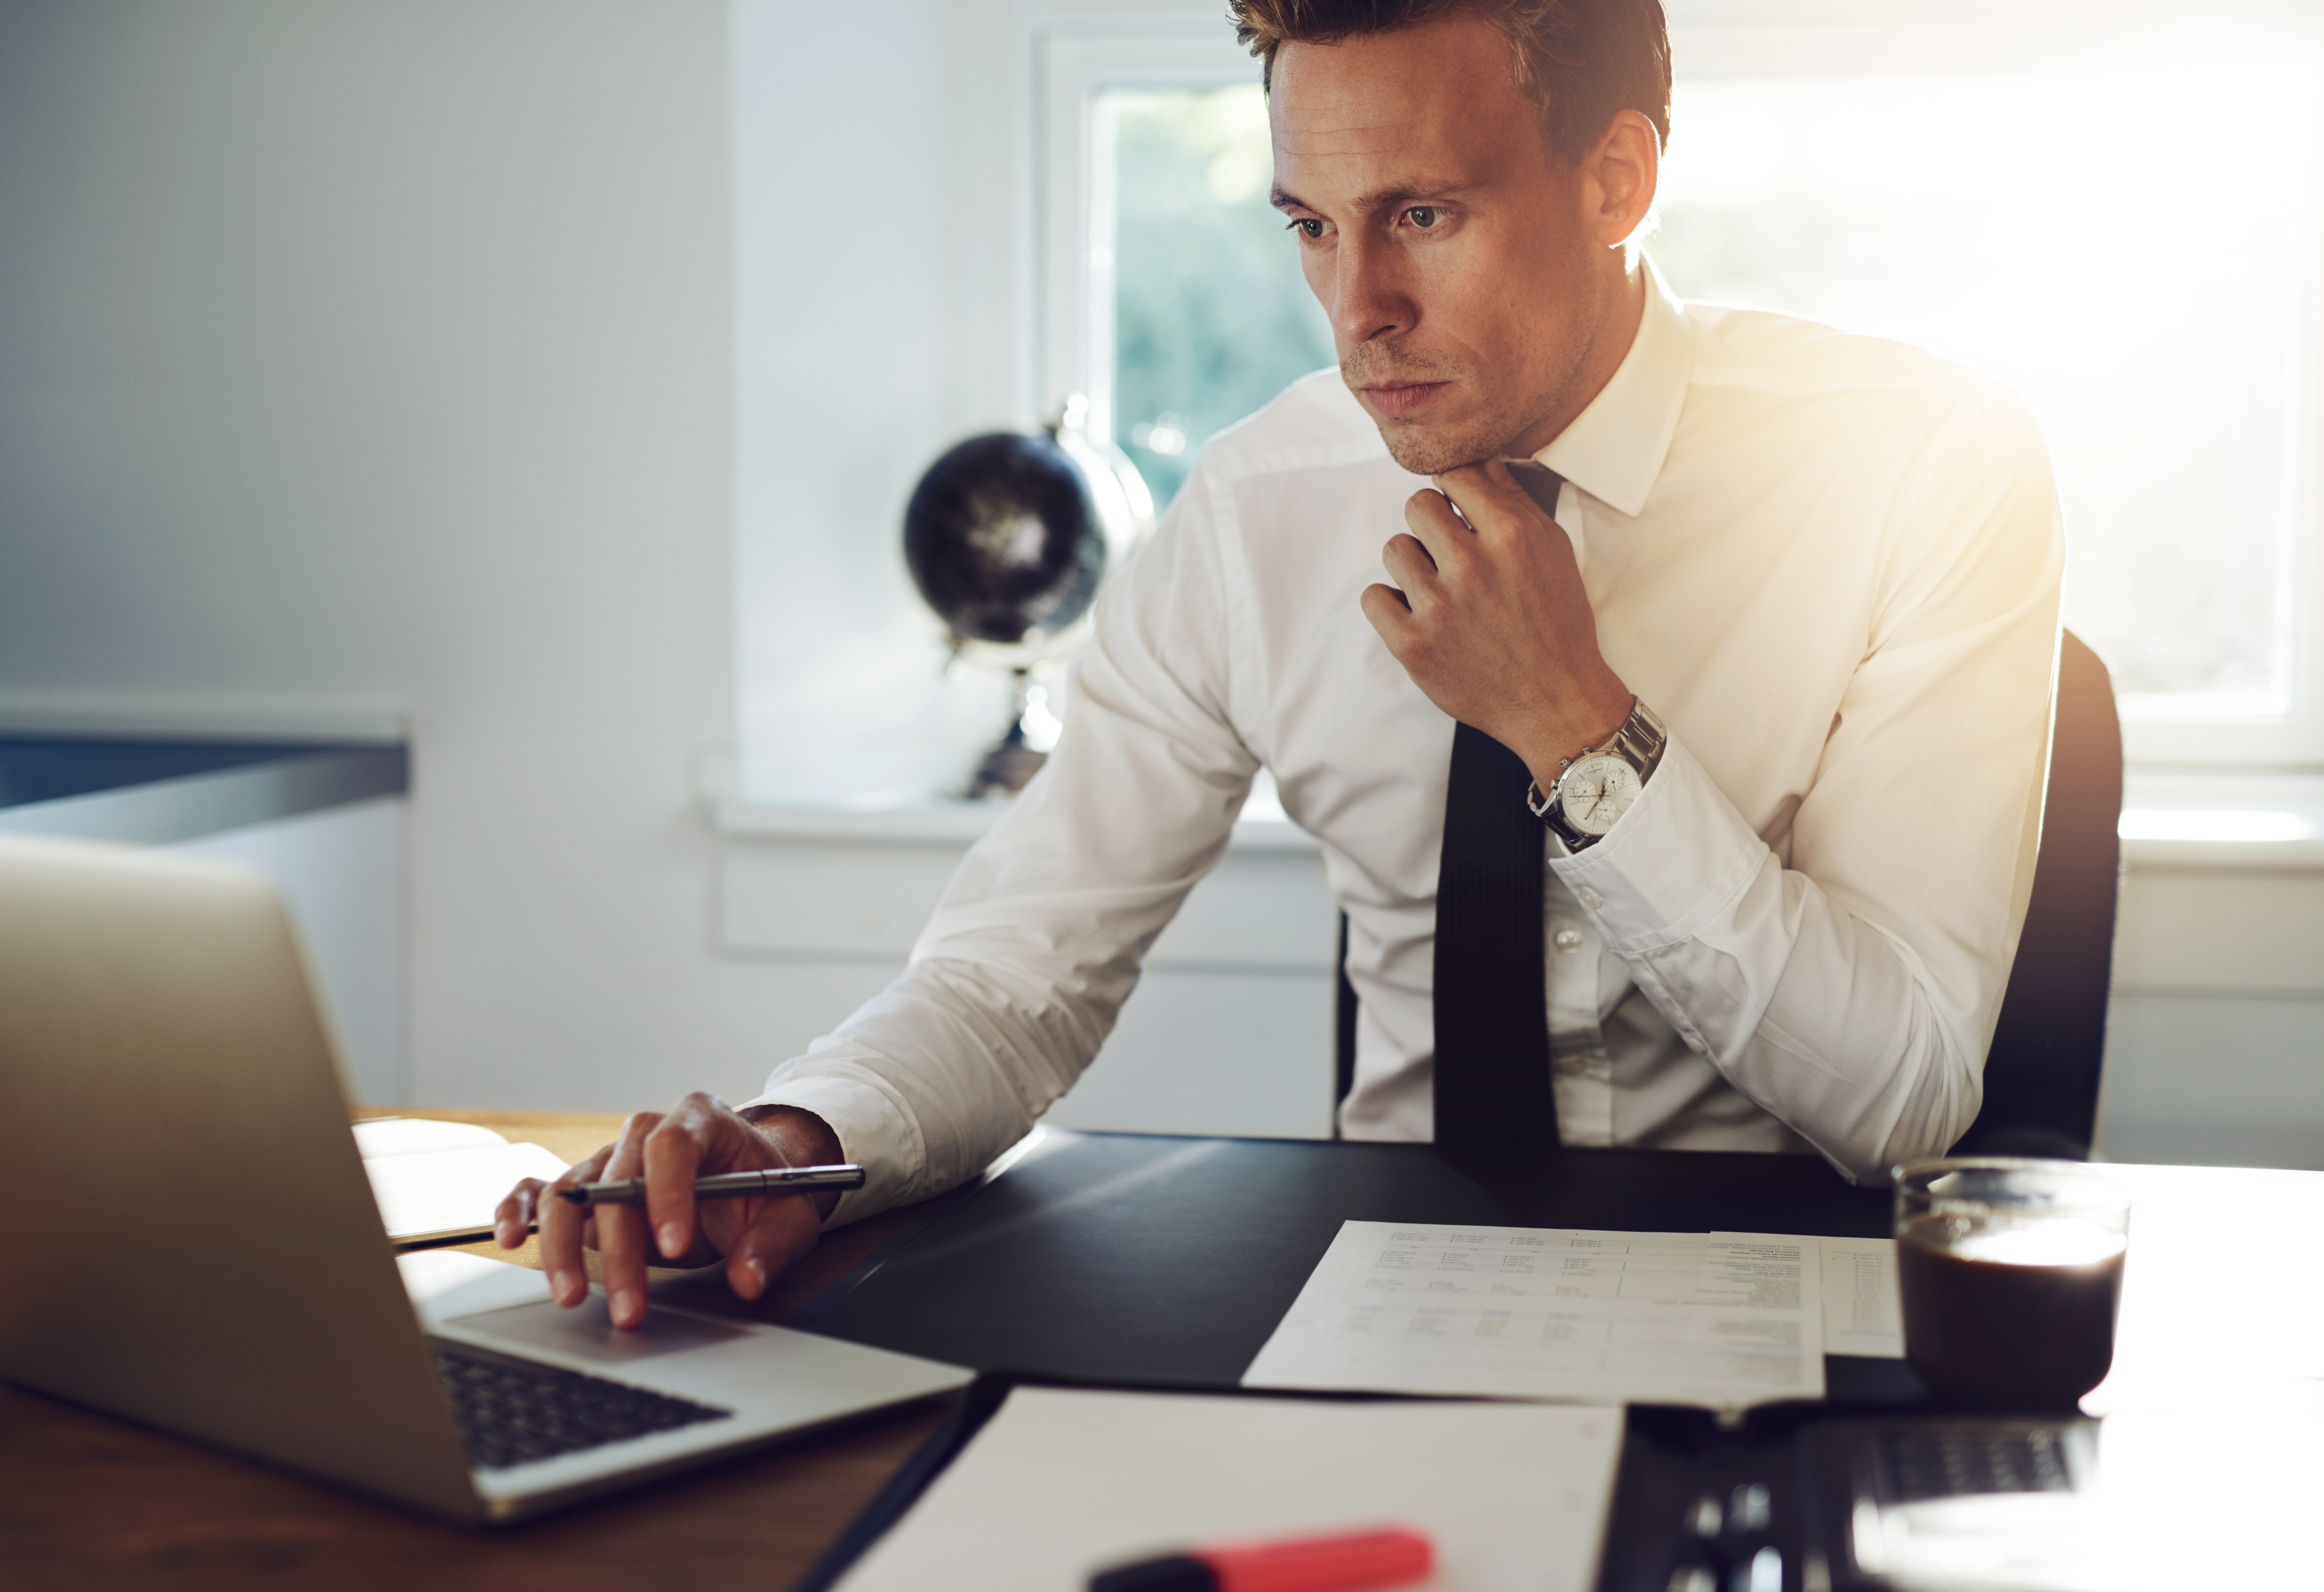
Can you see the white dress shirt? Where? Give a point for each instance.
(1830, 562)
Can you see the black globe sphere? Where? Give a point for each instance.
(1005, 538)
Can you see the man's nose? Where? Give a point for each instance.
(1370, 299)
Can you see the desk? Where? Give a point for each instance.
(1127, 1259)
(2218, 1258)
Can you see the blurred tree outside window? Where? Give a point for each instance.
(1212, 317)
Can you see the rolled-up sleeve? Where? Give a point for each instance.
(1845, 970)
(1019, 975)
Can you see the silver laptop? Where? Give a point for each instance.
(193, 1244)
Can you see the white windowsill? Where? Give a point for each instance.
(935, 821)
(2173, 819)
(942, 823)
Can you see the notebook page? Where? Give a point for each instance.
(439, 1193)
(1061, 1482)
(418, 1136)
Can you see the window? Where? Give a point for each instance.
(1210, 315)
(1175, 302)
(2082, 231)
(2120, 220)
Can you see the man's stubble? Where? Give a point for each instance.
(1511, 416)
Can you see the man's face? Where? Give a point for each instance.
(1441, 235)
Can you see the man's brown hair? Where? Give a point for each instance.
(1579, 62)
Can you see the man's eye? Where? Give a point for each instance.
(1424, 216)
(1308, 226)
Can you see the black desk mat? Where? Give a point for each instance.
(1143, 1261)
(1131, 1260)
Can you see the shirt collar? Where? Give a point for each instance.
(1615, 448)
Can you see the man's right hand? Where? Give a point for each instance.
(756, 1237)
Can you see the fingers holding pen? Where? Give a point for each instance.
(757, 1234)
(565, 1228)
(673, 1157)
(514, 1217)
(778, 1232)
(621, 1242)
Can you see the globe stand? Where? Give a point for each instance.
(1019, 754)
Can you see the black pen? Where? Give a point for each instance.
(726, 1186)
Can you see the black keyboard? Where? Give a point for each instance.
(512, 1411)
(1956, 1461)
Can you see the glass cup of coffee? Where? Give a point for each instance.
(2011, 1273)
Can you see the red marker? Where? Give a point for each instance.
(1347, 1562)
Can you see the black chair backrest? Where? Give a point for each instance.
(2041, 1075)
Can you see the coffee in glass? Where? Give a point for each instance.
(2011, 1273)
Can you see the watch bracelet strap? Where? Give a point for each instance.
(1640, 742)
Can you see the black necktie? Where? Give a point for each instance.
(1492, 996)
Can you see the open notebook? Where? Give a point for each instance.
(438, 1183)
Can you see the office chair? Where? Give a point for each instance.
(2042, 1075)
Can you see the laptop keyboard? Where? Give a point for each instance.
(512, 1411)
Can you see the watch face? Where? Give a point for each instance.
(1596, 791)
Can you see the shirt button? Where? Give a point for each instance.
(1693, 1044)
(1589, 897)
(1568, 939)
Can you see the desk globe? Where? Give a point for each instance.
(1008, 537)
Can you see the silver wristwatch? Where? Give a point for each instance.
(1596, 786)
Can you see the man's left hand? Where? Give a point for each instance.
(1493, 622)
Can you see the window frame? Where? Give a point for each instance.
(1076, 286)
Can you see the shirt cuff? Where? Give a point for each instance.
(1669, 865)
(872, 1129)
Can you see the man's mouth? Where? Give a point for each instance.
(1398, 399)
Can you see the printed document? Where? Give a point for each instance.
(1722, 1320)
(1862, 1311)
(1061, 1482)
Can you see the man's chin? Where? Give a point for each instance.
(1432, 450)
(1454, 425)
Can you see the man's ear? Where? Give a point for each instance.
(1618, 179)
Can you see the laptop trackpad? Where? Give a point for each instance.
(588, 1332)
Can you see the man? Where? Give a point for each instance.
(1757, 617)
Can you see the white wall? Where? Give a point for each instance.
(2215, 1042)
(342, 874)
(377, 351)
(873, 325)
